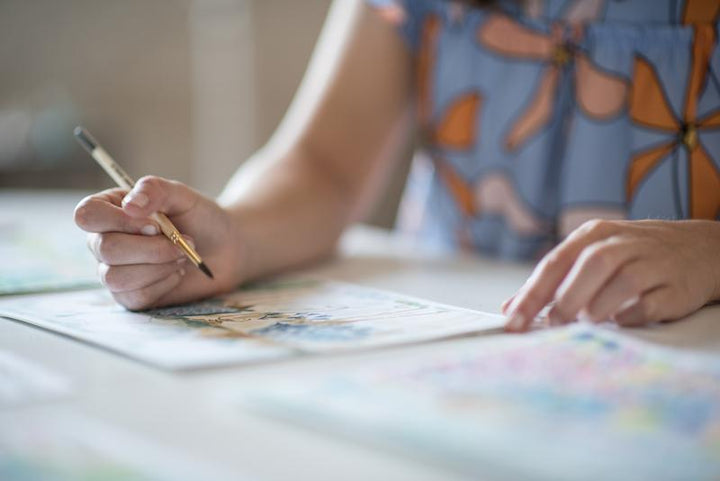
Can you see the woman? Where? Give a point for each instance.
(551, 129)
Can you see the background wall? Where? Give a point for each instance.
(121, 68)
(185, 89)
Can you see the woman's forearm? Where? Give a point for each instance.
(286, 212)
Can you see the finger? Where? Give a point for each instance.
(654, 306)
(137, 276)
(115, 248)
(506, 304)
(100, 213)
(627, 285)
(113, 196)
(147, 296)
(154, 194)
(593, 268)
(549, 273)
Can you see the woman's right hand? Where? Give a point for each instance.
(139, 265)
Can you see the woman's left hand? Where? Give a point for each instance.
(631, 272)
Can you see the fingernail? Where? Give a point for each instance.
(149, 230)
(181, 272)
(138, 199)
(516, 323)
(182, 260)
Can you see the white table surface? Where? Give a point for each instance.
(190, 411)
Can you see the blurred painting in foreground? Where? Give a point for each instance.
(72, 447)
(40, 247)
(581, 402)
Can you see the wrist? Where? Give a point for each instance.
(714, 257)
(704, 241)
(241, 266)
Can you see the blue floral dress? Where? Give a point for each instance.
(539, 115)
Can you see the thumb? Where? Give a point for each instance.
(154, 194)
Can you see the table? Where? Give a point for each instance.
(189, 412)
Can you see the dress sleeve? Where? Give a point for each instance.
(406, 15)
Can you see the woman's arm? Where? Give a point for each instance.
(288, 205)
(330, 157)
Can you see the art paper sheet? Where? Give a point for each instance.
(574, 403)
(264, 321)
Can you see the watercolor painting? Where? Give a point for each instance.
(581, 402)
(258, 322)
(37, 262)
(319, 315)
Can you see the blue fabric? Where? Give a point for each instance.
(584, 158)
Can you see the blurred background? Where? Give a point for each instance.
(184, 89)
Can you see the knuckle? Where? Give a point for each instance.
(594, 226)
(598, 228)
(111, 278)
(551, 261)
(151, 183)
(105, 247)
(598, 256)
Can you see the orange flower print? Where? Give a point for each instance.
(599, 94)
(649, 108)
(493, 194)
(455, 128)
(700, 11)
(458, 126)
